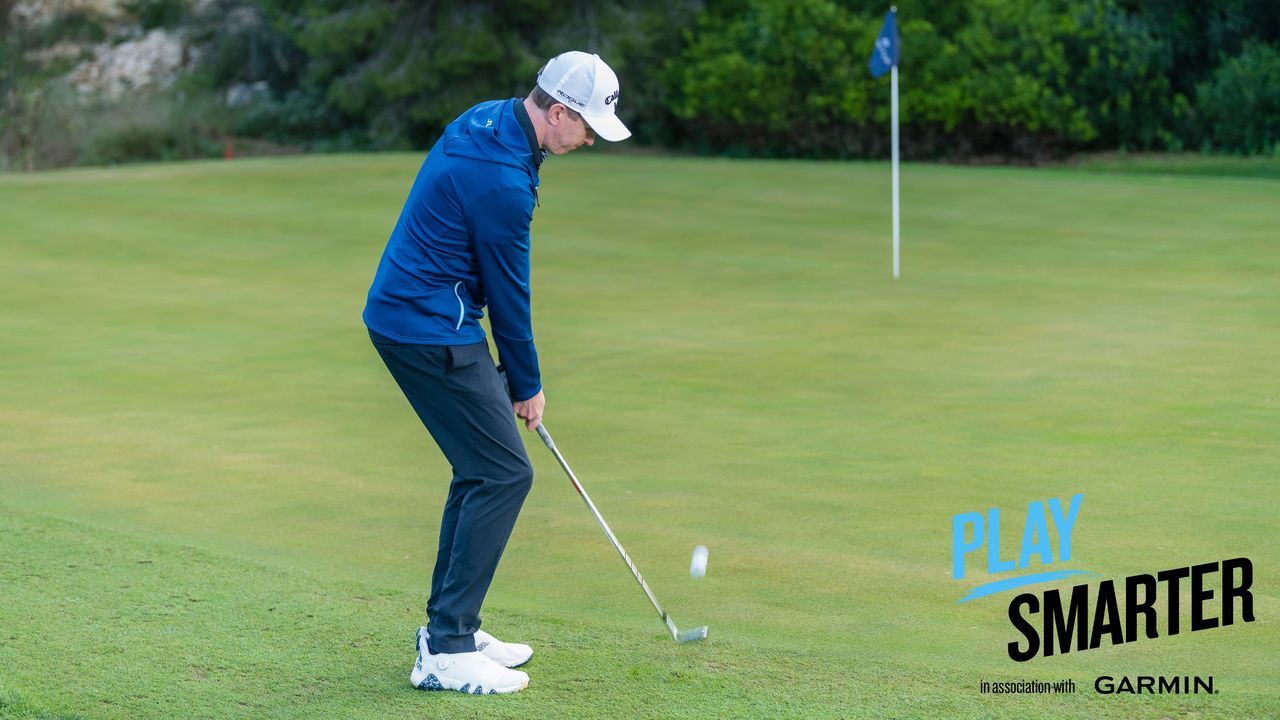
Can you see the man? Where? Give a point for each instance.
(461, 243)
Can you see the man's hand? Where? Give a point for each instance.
(530, 410)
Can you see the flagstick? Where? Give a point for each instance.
(894, 112)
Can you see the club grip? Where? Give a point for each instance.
(546, 436)
(506, 387)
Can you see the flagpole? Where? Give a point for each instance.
(884, 57)
(894, 113)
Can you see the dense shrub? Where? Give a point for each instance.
(397, 73)
(1120, 75)
(1240, 103)
(775, 79)
(174, 126)
(1011, 79)
(300, 117)
(1022, 77)
(153, 14)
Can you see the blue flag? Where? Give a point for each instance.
(885, 53)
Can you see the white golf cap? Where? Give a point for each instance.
(584, 82)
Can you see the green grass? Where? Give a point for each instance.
(215, 503)
(15, 707)
(1193, 164)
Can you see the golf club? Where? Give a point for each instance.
(686, 636)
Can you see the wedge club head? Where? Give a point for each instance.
(693, 635)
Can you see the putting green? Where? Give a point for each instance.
(215, 503)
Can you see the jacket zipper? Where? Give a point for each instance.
(462, 309)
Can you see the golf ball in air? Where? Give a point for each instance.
(698, 566)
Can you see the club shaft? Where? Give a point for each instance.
(551, 445)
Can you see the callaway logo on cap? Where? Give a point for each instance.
(584, 82)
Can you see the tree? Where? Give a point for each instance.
(398, 72)
(29, 103)
(1239, 105)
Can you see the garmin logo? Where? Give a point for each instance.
(1154, 685)
(570, 98)
(609, 100)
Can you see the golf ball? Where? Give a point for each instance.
(698, 566)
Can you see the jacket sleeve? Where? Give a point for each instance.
(500, 234)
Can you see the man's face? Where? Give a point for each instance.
(568, 131)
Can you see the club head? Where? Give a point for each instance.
(692, 635)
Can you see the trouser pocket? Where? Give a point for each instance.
(464, 357)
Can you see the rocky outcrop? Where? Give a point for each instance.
(37, 12)
(130, 60)
(151, 62)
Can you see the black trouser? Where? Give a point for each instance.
(456, 391)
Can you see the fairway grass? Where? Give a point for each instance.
(1184, 164)
(214, 502)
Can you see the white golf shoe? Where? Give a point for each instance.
(473, 673)
(509, 655)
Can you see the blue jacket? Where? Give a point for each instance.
(462, 242)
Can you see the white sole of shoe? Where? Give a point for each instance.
(431, 682)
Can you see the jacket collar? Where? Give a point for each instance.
(526, 122)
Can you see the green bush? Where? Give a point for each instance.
(775, 79)
(1011, 69)
(152, 14)
(1030, 78)
(1239, 105)
(238, 44)
(999, 79)
(1120, 74)
(172, 126)
(394, 77)
(783, 77)
(37, 110)
(301, 117)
